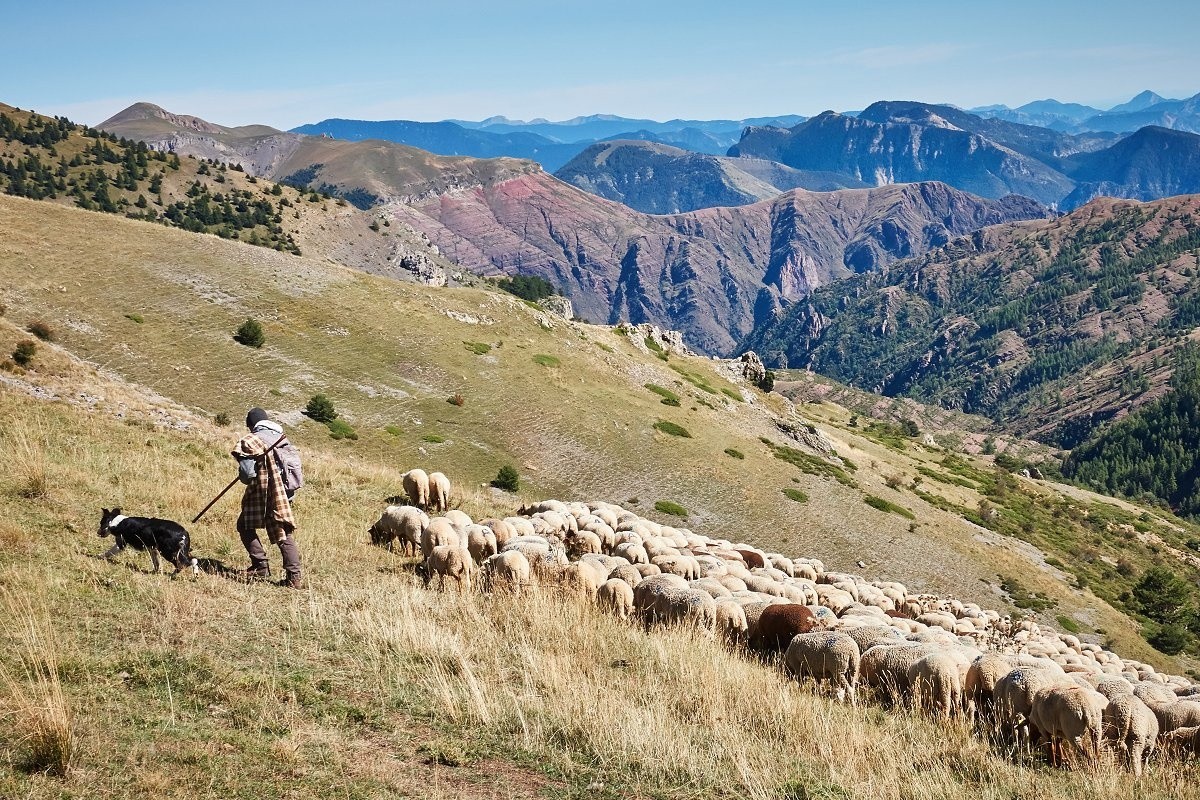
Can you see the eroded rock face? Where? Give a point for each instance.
(753, 369)
(712, 274)
(558, 306)
(666, 340)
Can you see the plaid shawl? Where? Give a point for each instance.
(265, 503)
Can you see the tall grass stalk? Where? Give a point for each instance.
(37, 709)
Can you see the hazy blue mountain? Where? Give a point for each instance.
(1047, 113)
(607, 126)
(1140, 102)
(1151, 163)
(1182, 115)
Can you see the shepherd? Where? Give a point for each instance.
(266, 503)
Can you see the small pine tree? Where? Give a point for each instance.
(320, 408)
(250, 333)
(26, 348)
(507, 479)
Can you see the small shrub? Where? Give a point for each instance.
(605, 347)
(507, 479)
(668, 507)
(24, 352)
(895, 481)
(795, 494)
(633, 501)
(340, 429)
(320, 409)
(478, 348)
(545, 360)
(738, 454)
(527, 287)
(138, 318)
(456, 399)
(1069, 625)
(672, 429)
(1170, 639)
(221, 419)
(768, 382)
(250, 333)
(41, 329)
(885, 505)
(394, 430)
(8, 365)
(434, 438)
(669, 398)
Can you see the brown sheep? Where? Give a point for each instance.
(777, 624)
(447, 561)
(935, 683)
(979, 689)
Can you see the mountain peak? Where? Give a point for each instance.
(149, 111)
(1141, 101)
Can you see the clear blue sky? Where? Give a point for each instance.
(286, 63)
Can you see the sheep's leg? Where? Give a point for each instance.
(112, 551)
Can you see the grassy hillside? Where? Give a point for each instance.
(367, 686)
(364, 685)
(54, 160)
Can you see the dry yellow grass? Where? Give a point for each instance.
(365, 685)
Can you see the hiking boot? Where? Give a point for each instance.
(253, 573)
(292, 582)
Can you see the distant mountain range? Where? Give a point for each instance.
(712, 273)
(1147, 108)
(551, 144)
(896, 142)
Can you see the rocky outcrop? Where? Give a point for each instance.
(665, 341)
(753, 370)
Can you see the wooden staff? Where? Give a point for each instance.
(234, 482)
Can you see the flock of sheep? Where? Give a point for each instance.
(1021, 684)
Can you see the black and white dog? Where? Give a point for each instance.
(148, 533)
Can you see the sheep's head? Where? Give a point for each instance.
(378, 536)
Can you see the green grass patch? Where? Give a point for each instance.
(655, 348)
(434, 438)
(671, 428)
(809, 464)
(669, 398)
(732, 395)
(738, 454)
(695, 379)
(604, 347)
(795, 494)
(546, 361)
(668, 507)
(1069, 625)
(138, 318)
(340, 429)
(888, 506)
(478, 348)
(1024, 598)
(394, 430)
(950, 480)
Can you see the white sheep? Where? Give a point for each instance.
(447, 561)
(1132, 727)
(416, 486)
(439, 491)
(508, 570)
(822, 655)
(437, 532)
(617, 596)
(399, 523)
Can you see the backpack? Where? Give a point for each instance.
(287, 458)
